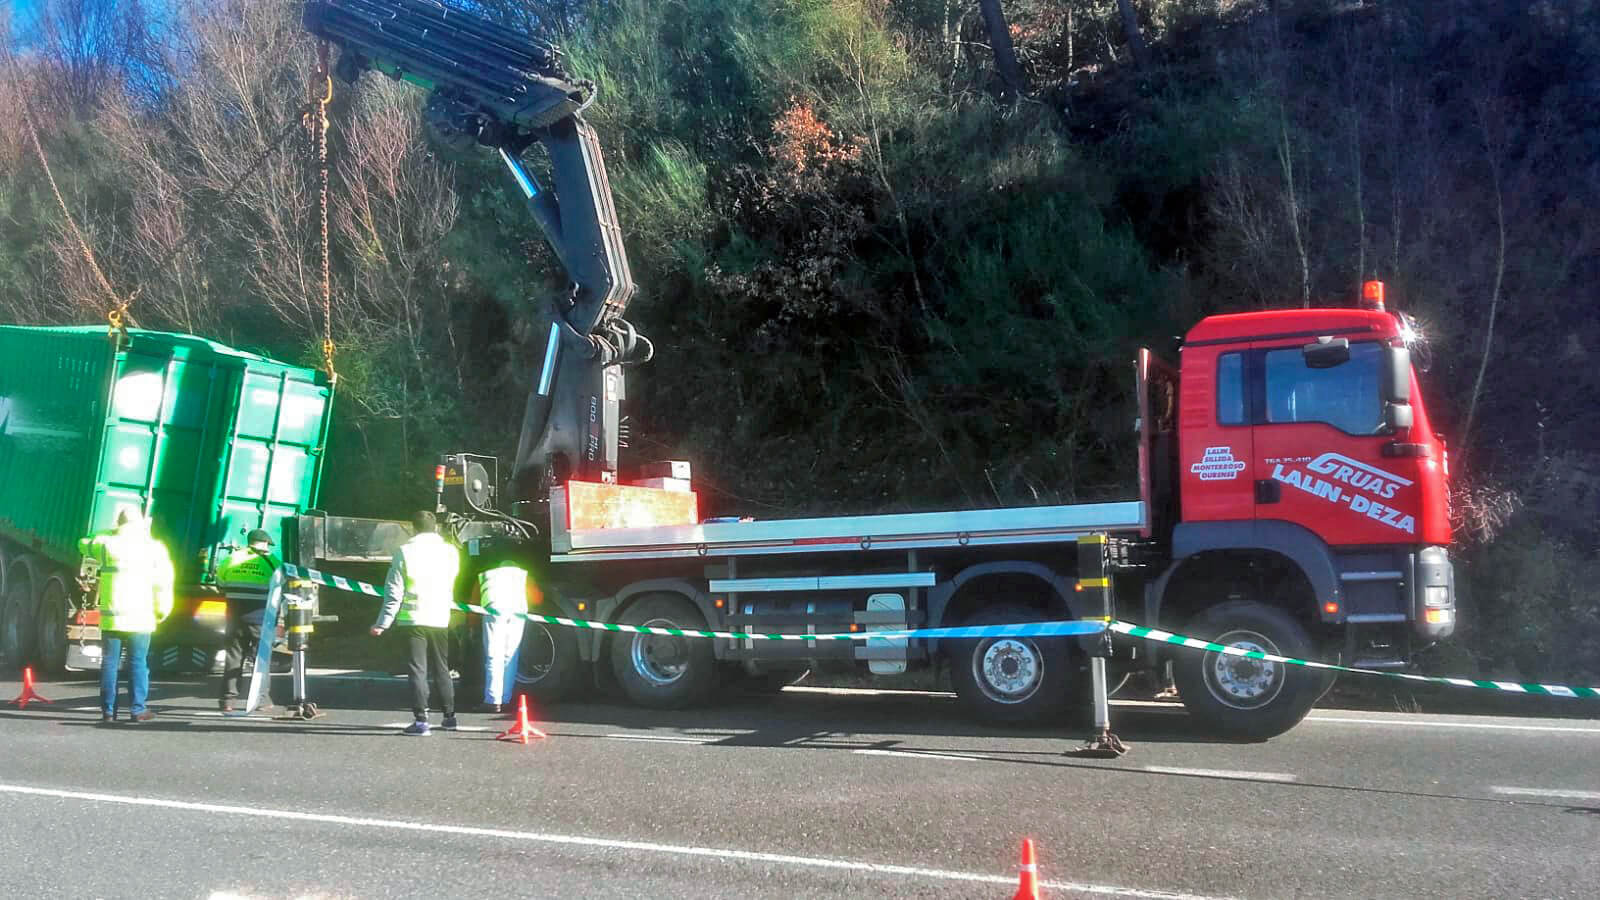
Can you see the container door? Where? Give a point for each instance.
(273, 456)
(163, 409)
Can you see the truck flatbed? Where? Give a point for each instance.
(904, 531)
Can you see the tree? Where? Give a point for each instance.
(1005, 55)
(1135, 37)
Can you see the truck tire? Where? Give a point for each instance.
(54, 610)
(1236, 697)
(662, 672)
(1014, 680)
(548, 667)
(20, 603)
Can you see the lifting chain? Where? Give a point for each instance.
(317, 122)
(117, 314)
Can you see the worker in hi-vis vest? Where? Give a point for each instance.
(244, 578)
(418, 595)
(135, 588)
(505, 589)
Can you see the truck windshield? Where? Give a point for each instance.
(1345, 396)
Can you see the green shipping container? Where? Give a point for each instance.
(208, 440)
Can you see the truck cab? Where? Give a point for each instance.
(1310, 488)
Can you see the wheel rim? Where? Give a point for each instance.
(659, 659)
(537, 657)
(1008, 670)
(1240, 682)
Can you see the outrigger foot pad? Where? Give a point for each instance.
(1104, 745)
(301, 711)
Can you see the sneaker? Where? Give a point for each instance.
(493, 709)
(449, 723)
(146, 716)
(107, 719)
(226, 706)
(416, 729)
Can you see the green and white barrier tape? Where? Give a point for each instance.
(1512, 687)
(1028, 629)
(1075, 628)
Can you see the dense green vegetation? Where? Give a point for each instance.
(880, 274)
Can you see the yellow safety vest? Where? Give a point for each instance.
(504, 589)
(431, 566)
(244, 576)
(135, 579)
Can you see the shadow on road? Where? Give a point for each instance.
(790, 719)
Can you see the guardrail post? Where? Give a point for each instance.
(1095, 586)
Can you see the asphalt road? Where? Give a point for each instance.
(807, 794)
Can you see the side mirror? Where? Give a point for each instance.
(1397, 416)
(1326, 353)
(1397, 375)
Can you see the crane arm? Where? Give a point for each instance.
(504, 91)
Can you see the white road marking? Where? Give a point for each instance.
(1436, 723)
(577, 840)
(910, 755)
(1553, 793)
(657, 739)
(1223, 773)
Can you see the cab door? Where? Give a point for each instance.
(1216, 438)
(1319, 439)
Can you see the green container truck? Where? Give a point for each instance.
(207, 440)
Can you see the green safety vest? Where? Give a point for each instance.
(431, 567)
(135, 579)
(504, 589)
(244, 576)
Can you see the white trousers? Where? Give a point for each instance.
(502, 638)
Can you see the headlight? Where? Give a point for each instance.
(1436, 596)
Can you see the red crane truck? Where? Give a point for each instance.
(1291, 498)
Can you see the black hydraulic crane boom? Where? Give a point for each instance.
(506, 92)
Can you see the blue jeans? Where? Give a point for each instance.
(502, 638)
(138, 669)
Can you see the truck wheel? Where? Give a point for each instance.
(660, 671)
(20, 602)
(1013, 680)
(54, 609)
(1237, 697)
(548, 666)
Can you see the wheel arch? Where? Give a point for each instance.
(1277, 563)
(951, 602)
(609, 609)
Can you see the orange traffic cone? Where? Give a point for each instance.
(28, 695)
(522, 729)
(1028, 889)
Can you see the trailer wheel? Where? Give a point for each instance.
(661, 671)
(55, 606)
(17, 620)
(1013, 680)
(1238, 697)
(548, 666)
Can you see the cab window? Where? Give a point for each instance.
(1345, 396)
(1231, 408)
